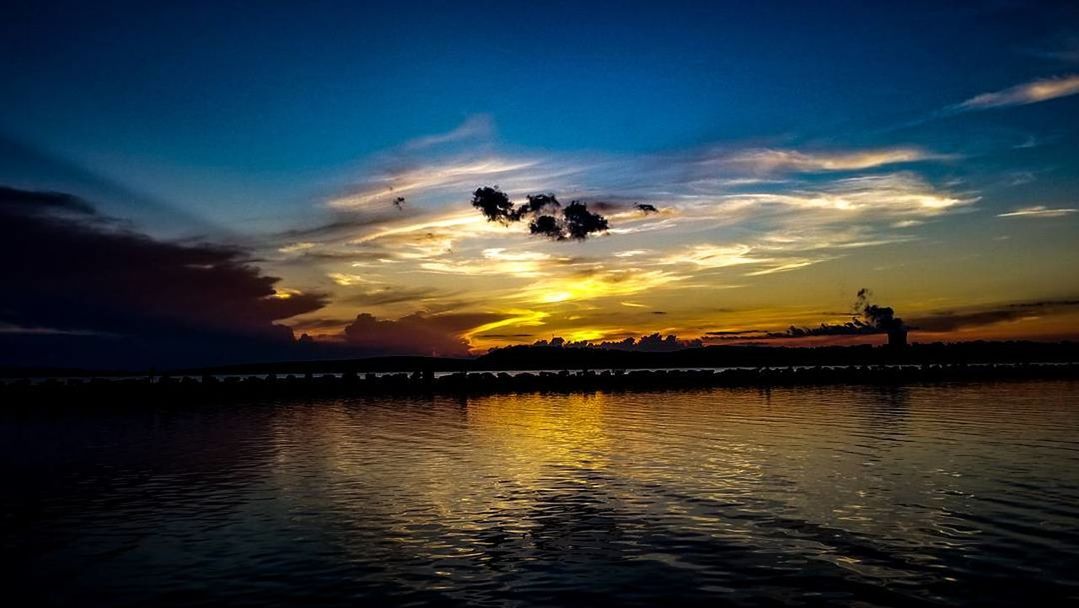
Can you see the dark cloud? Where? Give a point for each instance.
(652, 343)
(324, 323)
(504, 336)
(576, 222)
(315, 256)
(607, 206)
(852, 328)
(645, 208)
(873, 319)
(28, 166)
(340, 225)
(954, 320)
(494, 204)
(580, 222)
(537, 203)
(13, 200)
(881, 317)
(548, 226)
(866, 319)
(416, 334)
(117, 297)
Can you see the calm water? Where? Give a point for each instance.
(963, 494)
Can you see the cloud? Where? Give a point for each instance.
(884, 196)
(418, 334)
(1038, 211)
(342, 225)
(751, 210)
(499, 261)
(946, 321)
(347, 279)
(653, 343)
(476, 127)
(450, 226)
(685, 183)
(692, 191)
(769, 160)
(866, 319)
(29, 167)
(596, 283)
(713, 256)
(575, 222)
(873, 319)
(1034, 91)
(153, 302)
(381, 296)
(441, 181)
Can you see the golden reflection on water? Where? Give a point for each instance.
(833, 456)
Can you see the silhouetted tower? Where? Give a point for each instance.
(897, 337)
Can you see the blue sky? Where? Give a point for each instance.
(199, 102)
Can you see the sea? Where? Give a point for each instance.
(951, 494)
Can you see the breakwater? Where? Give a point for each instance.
(271, 386)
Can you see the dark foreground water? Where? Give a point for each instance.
(927, 495)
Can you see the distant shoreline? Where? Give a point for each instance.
(548, 358)
(85, 393)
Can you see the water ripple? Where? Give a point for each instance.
(922, 495)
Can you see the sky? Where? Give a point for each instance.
(213, 182)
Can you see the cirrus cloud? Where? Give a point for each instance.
(1039, 211)
(1022, 94)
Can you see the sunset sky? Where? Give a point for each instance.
(161, 164)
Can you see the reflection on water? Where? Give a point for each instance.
(906, 496)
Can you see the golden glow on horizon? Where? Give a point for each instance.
(611, 283)
(583, 335)
(521, 318)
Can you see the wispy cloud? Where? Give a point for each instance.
(713, 256)
(600, 283)
(1022, 94)
(952, 320)
(475, 127)
(780, 160)
(453, 177)
(346, 279)
(1039, 211)
(892, 194)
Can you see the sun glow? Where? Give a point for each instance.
(585, 335)
(520, 318)
(608, 283)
